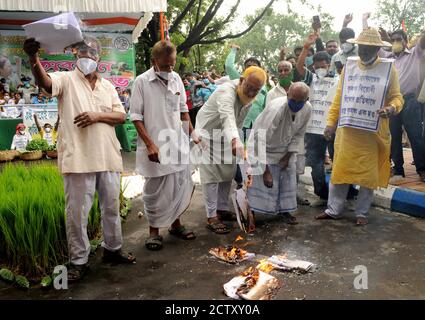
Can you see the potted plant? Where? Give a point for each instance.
(52, 153)
(35, 149)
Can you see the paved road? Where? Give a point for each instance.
(391, 247)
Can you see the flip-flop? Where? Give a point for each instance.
(154, 243)
(324, 216)
(182, 233)
(289, 219)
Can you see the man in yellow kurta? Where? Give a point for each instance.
(362, 157)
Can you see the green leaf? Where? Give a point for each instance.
(7, 275)
(22, 282)
(46, 282)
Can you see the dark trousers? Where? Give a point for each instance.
(316, 145)
(192, 114)
(412, 118)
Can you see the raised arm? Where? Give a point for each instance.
(31, 47)
(37, 123)
(347, 19)
(230, 63)
(301, 59)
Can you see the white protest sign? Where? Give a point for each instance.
(363, 94)
(45, 114)
(322, 93)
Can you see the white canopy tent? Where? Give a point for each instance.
(96, 15)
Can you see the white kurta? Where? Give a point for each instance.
(277, 92)
(280, 133)
(275, 129)
(168, 187)
(20, 142)
(218, 123)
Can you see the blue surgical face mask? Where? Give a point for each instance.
(295, 106)
(308, 61)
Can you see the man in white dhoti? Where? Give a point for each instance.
(280, 128)
(218, 124)
(89, 155)
(159, 112)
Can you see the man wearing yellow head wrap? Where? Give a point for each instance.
(218, 124)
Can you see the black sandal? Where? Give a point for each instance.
(76, 272)
(182, 233)
(154, 243)
(118, 256)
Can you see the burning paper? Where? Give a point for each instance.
(231, 254)
(282, 263)
(253, 284)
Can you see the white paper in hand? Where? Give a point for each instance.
(55, 33)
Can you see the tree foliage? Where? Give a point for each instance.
(276, 31)
(391, 13)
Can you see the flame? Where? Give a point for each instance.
(239, 238)
(265, 266)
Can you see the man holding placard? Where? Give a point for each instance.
(367, 95)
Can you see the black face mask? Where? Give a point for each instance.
(368, 54)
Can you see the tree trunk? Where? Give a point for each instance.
(182, 67)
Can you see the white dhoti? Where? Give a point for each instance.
(80, 189)
(338, 194)
(281, 198)
(167, 197)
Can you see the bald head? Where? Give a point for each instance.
(298, 91)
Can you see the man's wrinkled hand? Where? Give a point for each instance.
(268, 179)
(86, 119)
(348, 18)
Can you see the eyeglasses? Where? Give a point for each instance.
(88, 51)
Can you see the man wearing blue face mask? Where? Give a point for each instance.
(89, 155)
(280, 128)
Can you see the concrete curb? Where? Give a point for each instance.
(393, 198)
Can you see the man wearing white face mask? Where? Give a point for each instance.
(323, 84)
(347, 50)
(21, 138)
(89, 155)
(47, 132)
(158, 110)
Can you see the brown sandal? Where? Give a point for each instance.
(218, 227)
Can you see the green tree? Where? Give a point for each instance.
(192, 23)
(276, 31)
(391, 13)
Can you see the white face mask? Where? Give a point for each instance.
(347, 47)
(162, 74)
(22, 132)
(86, 65)
(321, 73)
(47, 130)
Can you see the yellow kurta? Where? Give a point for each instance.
(363, 157)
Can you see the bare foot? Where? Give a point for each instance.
(361, 221)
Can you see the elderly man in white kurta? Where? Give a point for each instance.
(159, 111)
(89, 155)
(280, 128)
(218, 123)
